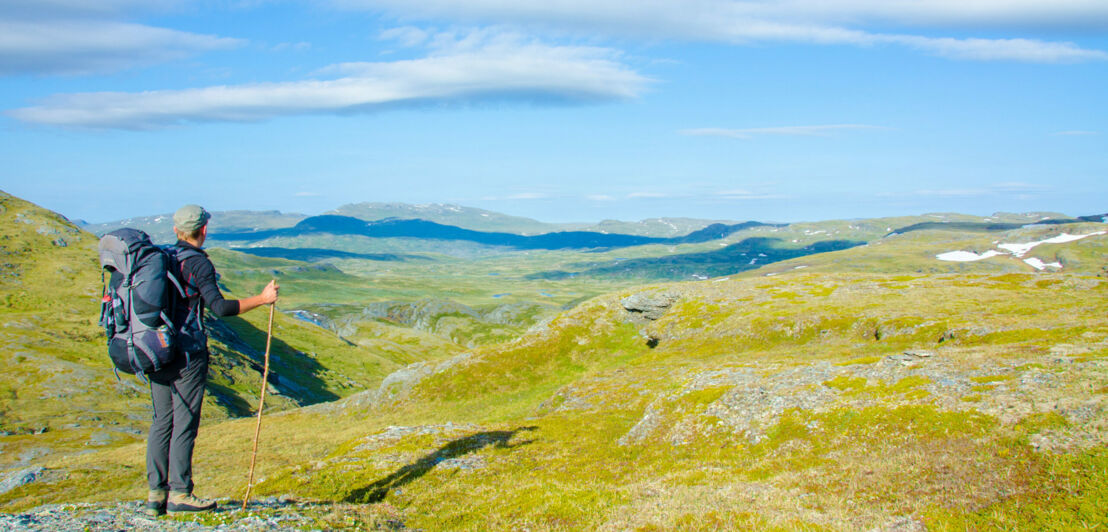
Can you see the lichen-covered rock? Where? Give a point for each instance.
(648, 306)
(19, 478)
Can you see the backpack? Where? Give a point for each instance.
(148, 314)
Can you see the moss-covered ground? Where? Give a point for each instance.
(752, 411)
(812, 399)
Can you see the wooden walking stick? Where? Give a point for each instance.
(261, 403)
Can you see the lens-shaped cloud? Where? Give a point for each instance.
(525, 71)
(74, 47)
(850, 22)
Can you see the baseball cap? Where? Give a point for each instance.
(190, 218)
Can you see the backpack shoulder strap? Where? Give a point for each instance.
(179, 255)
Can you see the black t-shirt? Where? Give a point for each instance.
(200, 273)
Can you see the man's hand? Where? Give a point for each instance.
(267, 297)
(269, 293)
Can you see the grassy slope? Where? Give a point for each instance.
(916, 252)
(767, 402)
(55, 377)
(53, 365)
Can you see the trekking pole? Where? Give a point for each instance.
(261, 403)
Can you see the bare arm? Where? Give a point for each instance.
(268, 296)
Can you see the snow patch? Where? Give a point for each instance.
(1040, 265)
(1016, 250)
(1020, 250)
(966, 256)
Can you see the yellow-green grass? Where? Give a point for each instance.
(531, 433)
(58, 393)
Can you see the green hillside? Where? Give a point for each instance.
(876, 387)
(58, 393)
(919, 251)
(807, 401)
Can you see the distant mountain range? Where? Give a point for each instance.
(423, 229)
(160, 226)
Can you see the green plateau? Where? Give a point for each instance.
(832, 375)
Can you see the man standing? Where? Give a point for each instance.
(177, 390)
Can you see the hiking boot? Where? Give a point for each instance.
(155, 503)
(187, 502)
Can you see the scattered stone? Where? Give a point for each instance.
(902, 359)
(100, 437)
(19, 478)
(902, 524)
(275, 514)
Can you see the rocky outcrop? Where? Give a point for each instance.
(19, 478)
(648, 306)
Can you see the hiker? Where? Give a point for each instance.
(177, 390)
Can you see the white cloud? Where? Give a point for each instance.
(599, 197)
(804, 131)
(93, 46)
(1016, 186)
(1075, 14)
(651, 195)
(1027, 50)
(471, 70)
(527, 196)
(520, 196)
(407, 36)
(295, 46)
(54, 9)
(1022, 190)
(951, 192)
(806, 21)
(740, 194)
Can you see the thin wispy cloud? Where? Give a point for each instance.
(500, 68)
(1017, 186)
(82, 8)
(1019, 189)
(804, 21)
(77, 47)
(527, 196)
(81, 37)
(800, 131)
(741, 194)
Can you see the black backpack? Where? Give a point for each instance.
(150, 315)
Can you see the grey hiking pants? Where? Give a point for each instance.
(177, 393)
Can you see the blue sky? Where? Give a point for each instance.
(562, 110)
